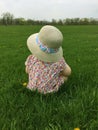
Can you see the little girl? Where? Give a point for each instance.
(46, 67)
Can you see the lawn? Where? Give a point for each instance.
(74, 105)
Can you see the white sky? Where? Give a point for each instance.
(50, 9)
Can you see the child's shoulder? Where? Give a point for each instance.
(29, 59)
(30, 56)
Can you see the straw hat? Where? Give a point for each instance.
(46, 45)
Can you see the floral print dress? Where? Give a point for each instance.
(44, 76)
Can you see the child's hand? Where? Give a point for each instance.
(64, 77)
(67, 71)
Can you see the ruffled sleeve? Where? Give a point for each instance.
(57, 67)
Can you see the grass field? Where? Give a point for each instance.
(74, 105)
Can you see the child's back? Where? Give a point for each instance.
(46, 67)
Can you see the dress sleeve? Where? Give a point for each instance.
(57, 67)
(62, 64)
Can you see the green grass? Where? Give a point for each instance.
(74, 105)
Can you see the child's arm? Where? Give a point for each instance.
(26, 70)
(28, 64)
(67, 71)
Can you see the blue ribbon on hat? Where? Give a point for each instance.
(45, 48)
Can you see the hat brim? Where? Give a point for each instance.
(43, 56)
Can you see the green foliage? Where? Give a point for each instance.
(8, 19)
(74, 105)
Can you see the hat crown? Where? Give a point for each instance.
(50, 36)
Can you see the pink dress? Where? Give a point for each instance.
(44, 76)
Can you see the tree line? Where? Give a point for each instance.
(9, 19)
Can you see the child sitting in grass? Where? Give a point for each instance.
(46, 67)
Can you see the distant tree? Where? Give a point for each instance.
(76, 21)
(71, 21)
(84, 21)
(60, 22)
(7, 18)
(45, 22)
(30, 21)
(68, 21)
(1, 21)
(20, 21)
(54, 21)
(93, 21)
